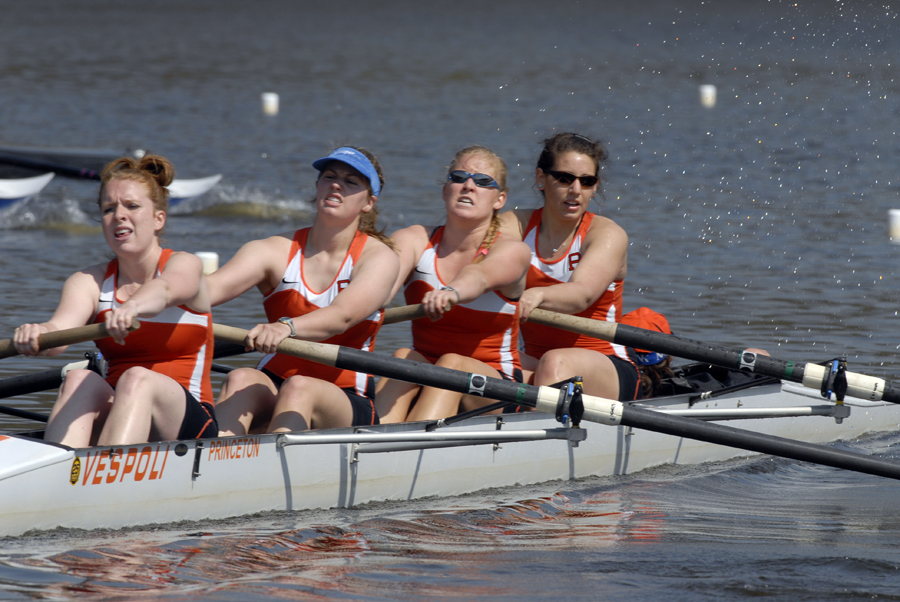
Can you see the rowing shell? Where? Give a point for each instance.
(18, 190)
(43, 486)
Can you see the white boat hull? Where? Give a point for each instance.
(43, 486)
(184, 190)
(17, 190)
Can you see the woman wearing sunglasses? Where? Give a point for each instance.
(326, 283)
(468, 277)
(578, 266)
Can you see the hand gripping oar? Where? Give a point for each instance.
(548, 399)
(810, 375)
(61, 338)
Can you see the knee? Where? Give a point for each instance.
(403, 353)
(454, 361)
(240, 379)
(133, 380)
(76, 378)
(551, 368)
(294, 391)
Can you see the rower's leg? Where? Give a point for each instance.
(600, 376)
(305, 403)
(393, 398)
(81, 408)
(148, 406)
(435, 403)
(246, 394)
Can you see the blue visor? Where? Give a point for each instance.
(357, 161)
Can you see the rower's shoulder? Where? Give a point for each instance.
(413, 236)
(514, 222)
(87, 279)
(602, 227)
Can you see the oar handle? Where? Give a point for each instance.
(403, 314)
(593, 328)
(322, 353)
(61, 338)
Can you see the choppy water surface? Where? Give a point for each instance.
(759, 222)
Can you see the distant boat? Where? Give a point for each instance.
(87, 164)
(184, 190)
(83, 163)
(17, 190)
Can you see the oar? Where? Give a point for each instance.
(402, 314)
(808, 374)
(43, 381)
(61, 338)
(548, 399)
(58, 168)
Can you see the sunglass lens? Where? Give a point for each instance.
(483, 180)
(588, 181)
(564, 177)
(458, 177)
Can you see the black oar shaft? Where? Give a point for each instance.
(757, 442)
(30, 383)
(58, 168)
(810, 375)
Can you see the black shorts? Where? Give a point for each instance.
(199, 419)
(629, 378)
(364, 413)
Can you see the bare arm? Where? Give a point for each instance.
(503, 269)
(77, 306)
(258, 263)
(369, 289)
(603, 260)
(180, 283)
(410, 243)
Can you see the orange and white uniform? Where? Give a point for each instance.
(293, 297)
(541, 339)
(177, 342)
(486, 329)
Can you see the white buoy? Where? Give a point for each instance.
(894, 215)
(270, 103)
(210, 261)
(708, 95)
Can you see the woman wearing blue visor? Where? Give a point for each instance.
(328, 283)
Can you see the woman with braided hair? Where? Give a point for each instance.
(157, 387)
(468, 277)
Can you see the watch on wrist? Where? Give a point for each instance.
(290, 323)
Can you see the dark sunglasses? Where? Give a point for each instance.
(566, 178)
(482, 180)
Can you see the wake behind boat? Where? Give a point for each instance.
(44, 486)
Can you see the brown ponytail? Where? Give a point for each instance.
(368, 222)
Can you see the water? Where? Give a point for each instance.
(760, 222)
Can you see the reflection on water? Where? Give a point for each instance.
(688, 531)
